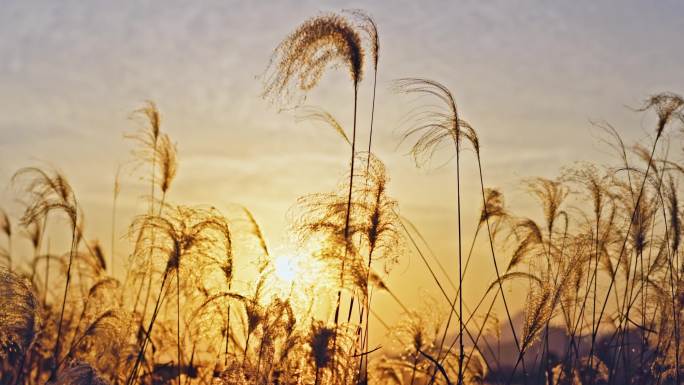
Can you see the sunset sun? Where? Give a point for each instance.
(285, 268)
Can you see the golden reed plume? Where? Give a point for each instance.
(304, 55)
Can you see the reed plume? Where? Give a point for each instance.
(304, 55)
(148, 134)
(367, 25)
(417, 331)
(168, 163)
(48, 191)
(34, 233)
(493, 208)
(379, 214)
(318, 114)
(433, 127)
(674, 213)
(668, 106)
(551, 194)
(147, 138)
(324, 216)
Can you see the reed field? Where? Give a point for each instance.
(600, 274)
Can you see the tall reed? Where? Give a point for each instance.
(303, 56)
(51, 193)
(433, 128)
(668, 108)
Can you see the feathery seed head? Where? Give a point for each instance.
(305, 54)
(668, 106)
(367, 25)
(434, 123)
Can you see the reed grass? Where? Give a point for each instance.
(599, 264)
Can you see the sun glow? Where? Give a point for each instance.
(285, 268)
(295, 275)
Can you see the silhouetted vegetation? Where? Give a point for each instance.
(602, 269)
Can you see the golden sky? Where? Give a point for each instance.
(529, 76)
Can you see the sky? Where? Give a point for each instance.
(529, 76)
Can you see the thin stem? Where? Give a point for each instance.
(460, 269)
(496, 265)
(178, 341)
(113, 240)
(134, 372)
(55, 355)
(346, 224)
(244, 355)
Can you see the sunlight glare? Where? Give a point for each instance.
(285, 268)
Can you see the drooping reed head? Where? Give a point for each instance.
(48, 192)
(493, 205)
(551, 194)
(530, 236)
(642, 219)
(150, 111)
(312, 113)
(418, 329)
(147, 135)
(378, 212)
(33, 233)
(323, 214)
(168, 164)
(594, 184)
(181, 233)
(5, 224)
(375, 280)
(538, 310)
(99, 256)
(367, 25)
(433, 124)
(226, 264)
(305, 54)
(674, 214)
(668, 106)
